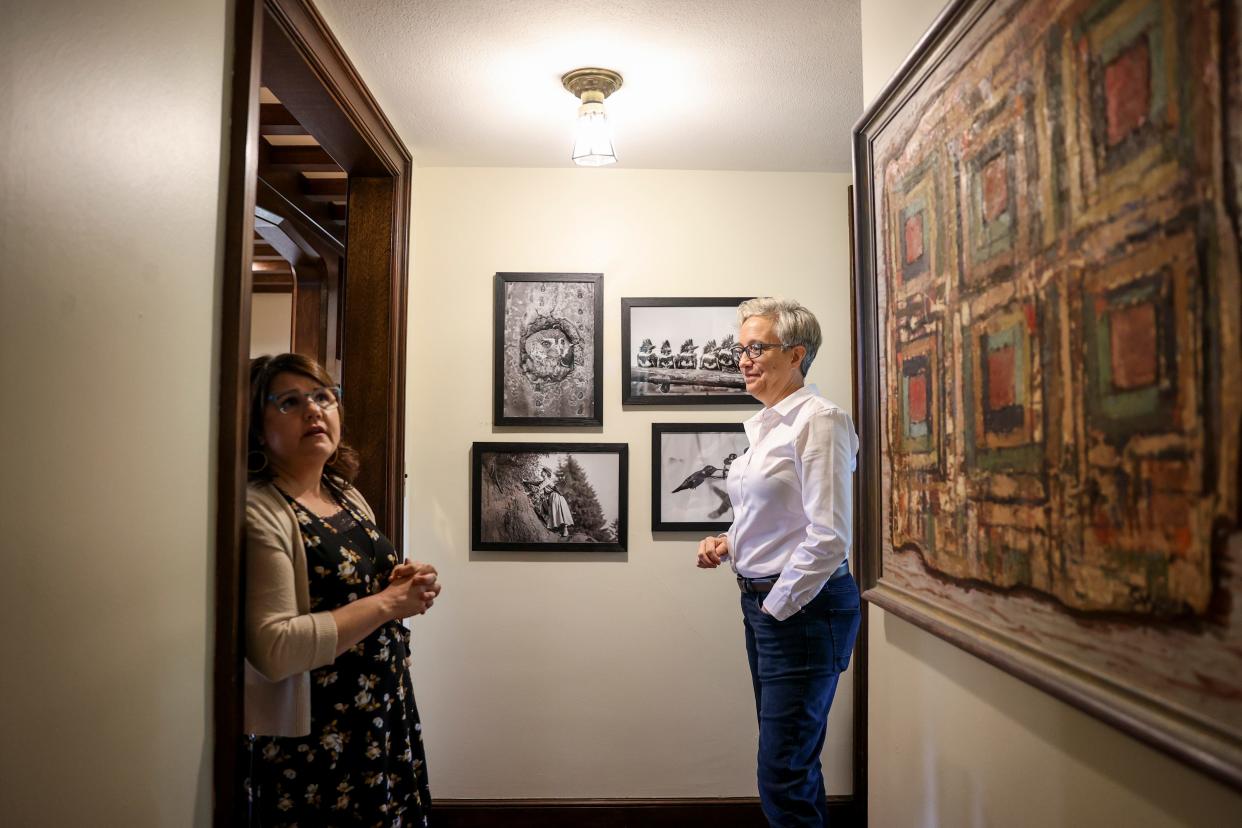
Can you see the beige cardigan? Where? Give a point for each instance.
(284, 639)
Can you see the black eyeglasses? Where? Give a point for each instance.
(755, 349)
(325, 399)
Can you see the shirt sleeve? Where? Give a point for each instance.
(280, 641)
(824, 451)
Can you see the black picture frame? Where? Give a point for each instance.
(518, 389)
(661, 479)
(507, 485)
(632, 373)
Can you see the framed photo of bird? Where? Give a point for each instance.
(548, 360)
(689, 464)
(679, 352)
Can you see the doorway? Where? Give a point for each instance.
(316, 228)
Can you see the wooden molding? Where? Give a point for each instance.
(345, 92)
(618, 813)
(301, 159)
(325, 189)
(378, 286)
(274, 119)
(228, 799)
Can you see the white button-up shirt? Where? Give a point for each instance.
(792, 498)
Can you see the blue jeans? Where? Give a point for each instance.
(794, 665)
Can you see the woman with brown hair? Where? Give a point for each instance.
(335, 734)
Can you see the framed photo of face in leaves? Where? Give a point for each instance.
(548, 349)
(533, 497)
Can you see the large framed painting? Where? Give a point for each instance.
(548, 359)
(1050, 368)
(689, 464)
(531, 497)
(679, 352)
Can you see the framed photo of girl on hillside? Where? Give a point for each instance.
(535, 497)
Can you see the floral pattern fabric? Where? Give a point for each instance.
(363, 763)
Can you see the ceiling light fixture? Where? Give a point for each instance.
(593, 135)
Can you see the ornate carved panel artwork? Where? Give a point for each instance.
(1050, 306)
(548, 340)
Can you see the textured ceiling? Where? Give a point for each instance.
(709, 84)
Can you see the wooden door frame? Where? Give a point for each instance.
(366, 145)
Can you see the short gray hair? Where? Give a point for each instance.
(795, 325)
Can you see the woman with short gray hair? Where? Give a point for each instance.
(789, 546)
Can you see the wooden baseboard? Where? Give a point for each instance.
(616, 813)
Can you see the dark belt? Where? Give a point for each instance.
(765, 584)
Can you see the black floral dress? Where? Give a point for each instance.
(363, 762)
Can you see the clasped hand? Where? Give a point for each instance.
(412, 588)
(712, 551)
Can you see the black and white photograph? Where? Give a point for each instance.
(678, 352)
(689, 464)
(549, 496)
(548, 361)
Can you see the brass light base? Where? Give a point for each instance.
(579, 81)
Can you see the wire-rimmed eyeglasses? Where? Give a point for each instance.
(755, 349)
(325, 399)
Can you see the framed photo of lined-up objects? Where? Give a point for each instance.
(689, 464)
(548, 360)
(533, 497)
(679, 352)
(1050, 365)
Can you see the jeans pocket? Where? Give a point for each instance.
(843, 624)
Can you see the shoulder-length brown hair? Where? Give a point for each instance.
(344, 462)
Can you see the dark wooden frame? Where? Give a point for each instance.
(658, 430)
(627, 307)
(1088, 692)
(332, 99)
(498, 350)
(477, 450)
(862, 647)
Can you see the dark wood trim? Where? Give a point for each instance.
(376, 141)
(274, 119)
(310, 314)
(369, 335)
(325, 189)
(313, 221)
(344, 117)
(385, 165)
(742, 812)
(226, 721)
(861, 648)
(301, 159)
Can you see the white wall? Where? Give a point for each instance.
(553, 676)
(954, 741)
(110, 151)
(271, 323)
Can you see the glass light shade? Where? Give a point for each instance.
(593, 137)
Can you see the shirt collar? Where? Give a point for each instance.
(788, 405)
